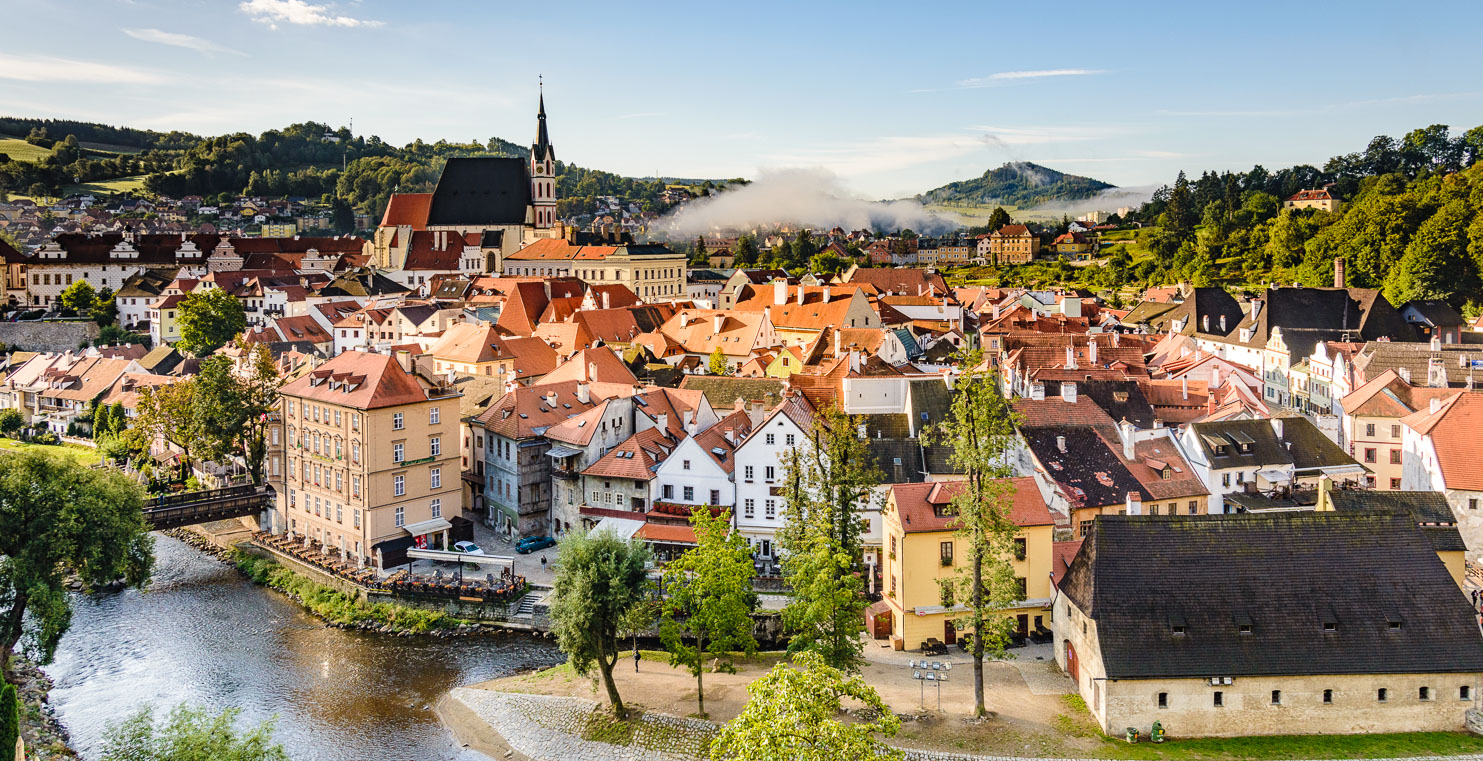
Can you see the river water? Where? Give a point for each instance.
(203, 635)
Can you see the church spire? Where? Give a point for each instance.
(542, 150)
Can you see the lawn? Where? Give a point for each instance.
(84, 456)
(1405, 745)
(20, 150)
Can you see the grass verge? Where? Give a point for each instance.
(85, 456)
(335, 606)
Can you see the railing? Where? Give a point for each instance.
(189, 508)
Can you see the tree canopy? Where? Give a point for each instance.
(208, 320)
(599, 579)
(188, 734)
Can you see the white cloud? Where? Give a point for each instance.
(1003, 76)
(44, 69)
(299, 13)
(173, 39)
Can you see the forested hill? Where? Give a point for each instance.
(1017, 183)
(308, 159)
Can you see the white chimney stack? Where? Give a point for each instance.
(718, 321)
(1126, 429)
(1135, 503)
(661, 421)
(1061, 444)
(800, 294)
(780, 292)
(583, 394)
(1436, 342)
(1092, 352)
(1184, 388)
(1037, 391)
(1068, 392)
(1070, 358)
(1277, 426)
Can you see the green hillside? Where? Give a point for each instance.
(1017, 183)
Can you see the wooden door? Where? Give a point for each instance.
(1071, 662)
(949, 633)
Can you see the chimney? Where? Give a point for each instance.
(739, 405)
(838, 342)
(1184, 388)
(1222, 323)
(826, 294)
(1037, 391)
(1436, 342)
(606, 300)
(1061, 444)
(800, 294)
(1205, 323)
(1404, 373)
(404, 358)
(996, 311)
(1068, 392)
(1277, 426)
(591, 371)
(1436, 404)
(1135, 503)
(1126, 430)
(549, 398)
(854, 361)
(1070, 357)
(767, 313)
(1338, 272)
(1210, 402)
(688, 416)
(1436, 373)
(1092, 352)
(583, 394)
(779, 292)
(661, 421)
(718, 321)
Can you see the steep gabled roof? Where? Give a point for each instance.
(359, 379)
(481, 190)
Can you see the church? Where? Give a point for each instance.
(482, 209)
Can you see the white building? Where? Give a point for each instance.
(758, 473)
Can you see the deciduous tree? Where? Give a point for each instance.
(793, 715)
(599, 578)
(58, 518)
(208, 320)
(79, 296)
(189, 734)
(10, 722)
(232, 399)
(717, 364)
(709, 599)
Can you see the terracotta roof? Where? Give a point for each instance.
(696, 331)
(407, 209)
(599, 364)
(713, 439)
(565, 337)
(302, 328)
(666, 533)
(529, 410)
(924, 506)
(1311, 195)
(1453, 429)
(637, 457)
(560, 249)
(359, 379)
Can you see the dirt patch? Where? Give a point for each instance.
(472, 731)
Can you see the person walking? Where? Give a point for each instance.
(543, 562)
(636, 657)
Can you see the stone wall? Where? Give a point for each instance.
(47, 336)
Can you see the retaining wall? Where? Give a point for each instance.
(47, 336)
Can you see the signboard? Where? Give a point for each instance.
(421, 541)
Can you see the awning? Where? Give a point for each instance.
(1352, 469)
(620, 527)
(560, 451)
(428, 526)
(461, 557)
(1274, 475)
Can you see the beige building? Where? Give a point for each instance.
(1291, 635)
(372, 456)
(653, 272)
(1322, 200)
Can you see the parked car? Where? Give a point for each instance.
(468, 548)
(532, 543)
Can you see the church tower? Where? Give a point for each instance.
(543, 173)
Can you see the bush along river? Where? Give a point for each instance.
(203, 634)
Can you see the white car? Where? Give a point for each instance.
(468, 548)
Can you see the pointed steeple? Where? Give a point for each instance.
(542, 150)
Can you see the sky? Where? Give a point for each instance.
(893, 99)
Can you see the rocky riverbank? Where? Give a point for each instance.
(46, 738)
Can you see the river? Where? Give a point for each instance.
(203, 635)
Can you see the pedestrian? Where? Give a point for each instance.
(543, 562)
(636, 658)
(1475, 598)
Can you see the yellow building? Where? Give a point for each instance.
(1372, 424)
(789, 360)
(956, 254)
(280, 229)
(372, 456)
(922, 549)
(1312, 199)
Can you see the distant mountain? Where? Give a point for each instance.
(1017, 183)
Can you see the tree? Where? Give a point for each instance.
(826, 482)
(62, 519)
(599, 577)
(980, 432)
(999, 218)
(10, 722)
(793, 715)
(11, 422)
(232, 401)
(1436, 264)
(717, 365)
(79, 297)
(208, 319)
(746, 251)
(188, 734)
(709, 599)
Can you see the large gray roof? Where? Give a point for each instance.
(481, 190)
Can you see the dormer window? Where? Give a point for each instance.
(1243, 624)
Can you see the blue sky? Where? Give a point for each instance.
(893, 98)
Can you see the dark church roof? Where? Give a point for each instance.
(1307, 593)
(483, 190)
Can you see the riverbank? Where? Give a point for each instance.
(46, 738)
(555, 715)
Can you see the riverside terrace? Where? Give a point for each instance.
(493, 590)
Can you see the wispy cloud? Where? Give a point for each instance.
(299, 13)
(45, 69)
(177, 40)
(1003, 76)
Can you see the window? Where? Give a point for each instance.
(684, 465)
(337, 417)
(1370, 454)
(1330, 626)
(945, 552)
(689, 494)
(355, 421)
(747, 472)
(1395, 484)
(669, 491)
(1370, 429)
(401, 516)
(770, 473)
(771, 439)
(435, 446)
(1328, 697)
(1425, 693)
(1276, 697)
(398, 452)
(1021, 587)
(715, 497)
(1194, 507)
(1472, 503)
(434, 416)
(1465, 692)
(1178, 629)
(1163, 700)
(1382, 695)
(788, 440)
(340, 518)
(1019, 548)
(1225, 479)
(1395, 432)
(772, 509)
(749, 507)
(355, 486)
(398, 486)
(437, 506)
(1244, 629)
(396, 421)
(355, 452)
(435, 478)
(1395, 457)
(1219, 698)
(355, 517)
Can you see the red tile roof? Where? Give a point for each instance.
(923, 506)
(407, 209)
(1453, 429)
(359, 379)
